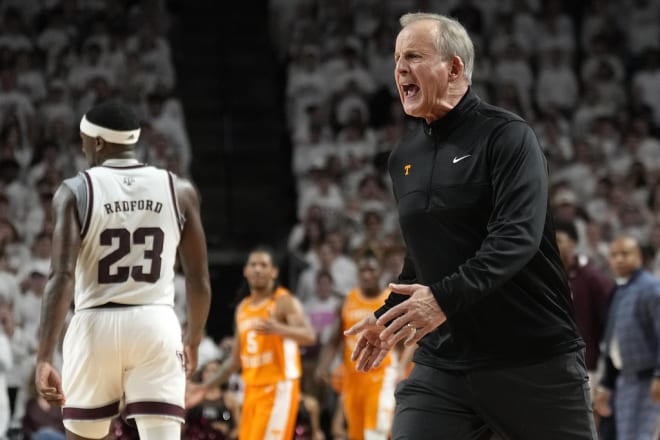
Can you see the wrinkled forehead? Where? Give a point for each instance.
(419, 34)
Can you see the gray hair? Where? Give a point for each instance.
(452, 38)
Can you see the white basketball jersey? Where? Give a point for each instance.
(130, 233)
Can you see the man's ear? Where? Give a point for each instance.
(98, 143)
(457, 68)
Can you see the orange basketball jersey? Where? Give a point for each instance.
(265, 358)
(356, 307)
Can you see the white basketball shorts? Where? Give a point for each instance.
(134, 354)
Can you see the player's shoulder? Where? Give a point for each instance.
(182, 185)
(241, 304)
(68, 189)
(282, 294)
(283, 297)
(185, 191)
(74, 182)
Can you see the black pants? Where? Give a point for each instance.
(544, 401)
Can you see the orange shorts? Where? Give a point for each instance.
(369, 403)
(269, 411)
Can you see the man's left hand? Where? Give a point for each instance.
(370, 350)
(412, 319)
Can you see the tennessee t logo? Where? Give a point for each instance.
(407, 168)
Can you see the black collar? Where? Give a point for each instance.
(444, 125)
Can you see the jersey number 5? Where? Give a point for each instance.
(120, 274)
(252, 344)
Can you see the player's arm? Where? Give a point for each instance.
(195, 392)
(291, 321)
(58, 293)
(194, 261)
(329, 350)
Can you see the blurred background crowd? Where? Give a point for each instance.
(586, 75)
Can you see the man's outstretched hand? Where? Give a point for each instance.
(370, 349)
(409, 321)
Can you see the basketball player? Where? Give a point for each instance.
(368, 397)
(118, 226)
(270, 325)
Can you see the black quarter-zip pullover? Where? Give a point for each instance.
(472, 193)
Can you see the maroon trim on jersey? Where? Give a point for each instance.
(90, 203)
(155, 409)
(126, 167)
(176, 202)
(103, 412)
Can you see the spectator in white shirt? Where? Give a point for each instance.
(642, 26)
(343, 271)
(28, 307)
(512, 64)
(29, 79)
(646, 82)
(590, 107)
(599, 51)
(557, 84)
(323, 191)
(555, 29)
(169, 122)
(304, 81)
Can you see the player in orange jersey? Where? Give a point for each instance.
(368, 398)
(270, 324)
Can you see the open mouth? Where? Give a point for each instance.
(410, 90)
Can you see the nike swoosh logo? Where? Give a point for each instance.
(458, 159)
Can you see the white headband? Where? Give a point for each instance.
(113, 136)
